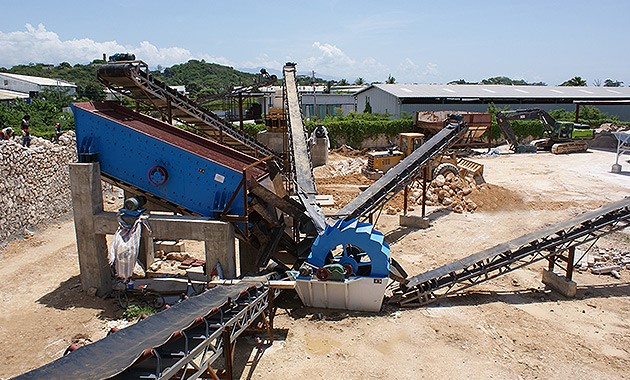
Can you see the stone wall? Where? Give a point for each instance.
(34, 183)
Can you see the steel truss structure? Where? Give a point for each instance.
(299, 152)
(198, 347)
(549, 243)
(133, 79)
(179, 343)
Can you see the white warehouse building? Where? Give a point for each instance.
(405, 99)
(32, 86)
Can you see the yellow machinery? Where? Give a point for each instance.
(380, 162)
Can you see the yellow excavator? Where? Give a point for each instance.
(379, 162)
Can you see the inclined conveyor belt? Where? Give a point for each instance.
(299, 151)
(402, 174)
(134, 80)
(503, 258)
(115, 353)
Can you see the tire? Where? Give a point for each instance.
(444, 169)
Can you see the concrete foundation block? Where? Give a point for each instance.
(616, 168)
(414, 221)
(567, 288)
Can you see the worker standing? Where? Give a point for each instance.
(6, 133)
(57, 132)
(26, 135)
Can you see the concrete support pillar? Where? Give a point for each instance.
(87, 201)
(220, 248)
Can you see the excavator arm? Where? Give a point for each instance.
(504, 118)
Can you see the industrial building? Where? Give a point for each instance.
(32, 86)
(405, 99)
(8, 95)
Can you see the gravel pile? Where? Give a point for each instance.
(34, 183)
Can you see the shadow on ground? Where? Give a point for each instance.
(528, 296)
(69, 295)
(399, 233)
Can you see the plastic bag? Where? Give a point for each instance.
(123, 251)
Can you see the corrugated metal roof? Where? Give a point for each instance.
(478, 91)
(10, 95)
(39, 80)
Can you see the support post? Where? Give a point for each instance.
(424, 191)
(228, 354)
(570, 263)
(220, 248)
(405, 196)
(87, 201)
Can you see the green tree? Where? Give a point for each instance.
(343, 82)
(460, 81)
(390, 79)
(612, 83)
(576, 81)
(359, 81)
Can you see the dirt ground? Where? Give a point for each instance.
(508, 328)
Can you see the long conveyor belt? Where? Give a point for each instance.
(134, 80)
(503, 258)
(299, 152)
(183, 340)
(402, 174)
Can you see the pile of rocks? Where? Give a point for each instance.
(451, 191)
(34, 183)
(604, 261)
(339, 168)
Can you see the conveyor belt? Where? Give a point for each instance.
(503, 258)
(299, 152)
(145, 350)
(402, 174)
(134, 80)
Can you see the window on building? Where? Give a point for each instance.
(6, 82)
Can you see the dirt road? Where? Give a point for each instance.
(508, 328)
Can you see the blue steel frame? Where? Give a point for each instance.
(195, 183)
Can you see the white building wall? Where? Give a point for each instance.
(8, 83)
(380, 101)
(13, 84)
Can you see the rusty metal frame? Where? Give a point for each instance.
(242, 185)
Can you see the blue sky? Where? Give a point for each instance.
(414, 41)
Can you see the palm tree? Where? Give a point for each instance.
(359, 81)
(575, 81)
(390, 79)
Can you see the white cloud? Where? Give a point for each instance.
(431, 70)
(263, 61)
(38, 45)
(331, 60)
